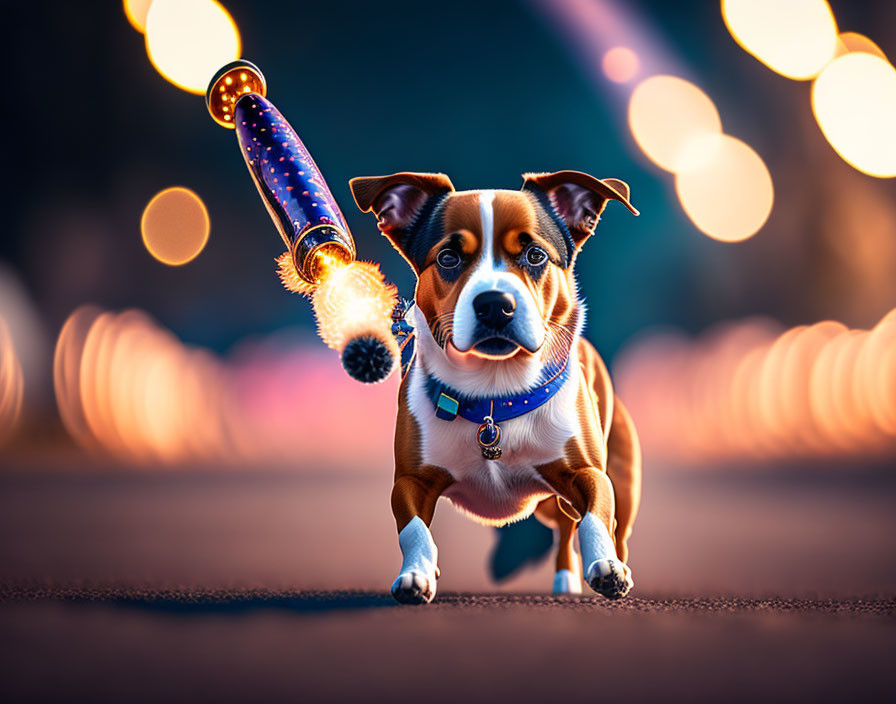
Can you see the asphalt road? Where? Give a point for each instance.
(272, 587)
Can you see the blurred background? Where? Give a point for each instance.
(746, 314)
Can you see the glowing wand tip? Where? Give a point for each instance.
(228, 85)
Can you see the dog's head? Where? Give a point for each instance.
(495, 267)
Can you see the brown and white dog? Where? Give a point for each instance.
(498, 320)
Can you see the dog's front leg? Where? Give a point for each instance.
(414, 497)
(590, 492)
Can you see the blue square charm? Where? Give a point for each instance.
(447, 407)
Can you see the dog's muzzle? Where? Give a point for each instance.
(495, 334)
(494, 309)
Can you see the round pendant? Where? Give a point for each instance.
(489, 436)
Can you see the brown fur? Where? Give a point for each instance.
(417, 487)
(552, 513)
(601, 467)
(600, 470)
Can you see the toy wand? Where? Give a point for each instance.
(352, 302)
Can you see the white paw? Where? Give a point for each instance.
(414, 588)
(611, 578)
(567, 582)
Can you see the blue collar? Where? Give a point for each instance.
(450, 403)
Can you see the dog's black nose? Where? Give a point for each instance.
(494, 308)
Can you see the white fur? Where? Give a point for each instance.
(527, 326)
(420, 557)
(604, 571)
(595, 540)
(567, 582)
(473, 375)
(492, 491)
(487, 218)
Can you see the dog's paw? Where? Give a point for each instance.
(567, 582)
(610, 578)
(414, 588)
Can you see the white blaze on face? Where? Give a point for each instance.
(527, 328)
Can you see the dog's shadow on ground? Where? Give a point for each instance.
(299, 603)
(220, 602)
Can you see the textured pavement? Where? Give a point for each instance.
(194, 587)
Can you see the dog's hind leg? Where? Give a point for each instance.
(624, 470)
(568, 575)
(590, 492)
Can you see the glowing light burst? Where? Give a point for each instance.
(795, 38)
(854, 101)
(352, 300)
(752, 390)
(175, 226)
(188, 40)
(724, 187)
(11, 385)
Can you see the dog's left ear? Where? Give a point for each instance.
(579, 199)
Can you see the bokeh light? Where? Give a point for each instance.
(135, 11)
(750, 390)
(853, 41)
(11, 385)
(724, 187)
(620, 64)
(189, 40)
(129, 389)
(67, 372)
(175, 226)
(854, 101)
(795, 38)
(665, 113)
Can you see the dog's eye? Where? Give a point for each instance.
(536, 256)
(448, 258)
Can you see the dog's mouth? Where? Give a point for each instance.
(496, 347)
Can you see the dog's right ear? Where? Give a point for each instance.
(397, 200)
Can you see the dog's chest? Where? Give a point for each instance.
(496, 490)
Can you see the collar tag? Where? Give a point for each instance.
(446, 407)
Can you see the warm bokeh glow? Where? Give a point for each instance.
(666, 113)
(796, 38)
(351, 300)
(854, 101)
(175, 226)
(748, 389)
(127, 388)
(853, 41)
(189, 40)
(135, 11)
(67, 372)
(724, 187)
(620, 64)
(11, 385)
